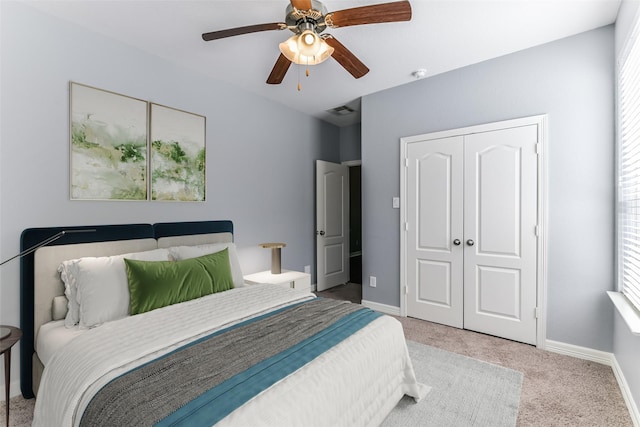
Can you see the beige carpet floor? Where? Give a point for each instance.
(557, 390)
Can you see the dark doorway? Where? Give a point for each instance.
(355, 223)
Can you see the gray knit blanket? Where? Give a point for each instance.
(203, 381)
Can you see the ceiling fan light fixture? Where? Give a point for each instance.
(306, 49)
(308, 39)
(308, 43)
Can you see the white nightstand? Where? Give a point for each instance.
(291, 279)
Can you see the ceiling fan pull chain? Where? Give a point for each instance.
(299, 85)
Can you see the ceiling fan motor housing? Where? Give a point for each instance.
(300, 20)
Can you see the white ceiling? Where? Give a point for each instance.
(442, 35)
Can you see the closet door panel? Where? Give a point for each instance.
(497, 201)
(434, 214)
(500, 242)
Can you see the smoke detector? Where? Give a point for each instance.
(419, 74)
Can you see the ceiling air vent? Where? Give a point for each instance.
(341, 111)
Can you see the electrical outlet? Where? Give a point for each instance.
(372, 281)
(307, 269)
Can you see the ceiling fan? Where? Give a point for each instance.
(307, 19)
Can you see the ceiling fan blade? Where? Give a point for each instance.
(345, 58)
(374, 14)
(215, 35)
(279, 70)
(301, 4)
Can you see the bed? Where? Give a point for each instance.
(216, 351)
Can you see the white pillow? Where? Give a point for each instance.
(185, 252)
(73, 309)
(59, 307)
(101, 286)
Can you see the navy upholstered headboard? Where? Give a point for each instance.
(170, 229)
(103, 233)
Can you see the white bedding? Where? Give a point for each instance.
(357, 382)
(52, 336)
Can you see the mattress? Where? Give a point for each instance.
(52, 336)
(357, 382)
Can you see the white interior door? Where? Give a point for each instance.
(470, 241)
(332, 224)
(434, 214)
(500, 233)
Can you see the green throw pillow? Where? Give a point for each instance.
(155, 284)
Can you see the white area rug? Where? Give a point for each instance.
(464, 392)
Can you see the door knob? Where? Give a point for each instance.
(320, 232)
(456, 242)
(470, 242)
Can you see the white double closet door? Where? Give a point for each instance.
(471, 230)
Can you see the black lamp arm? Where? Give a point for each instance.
(46, 242)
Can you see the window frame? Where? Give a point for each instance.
(627, 299)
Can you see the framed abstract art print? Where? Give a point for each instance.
(108, 146)
(177, 163)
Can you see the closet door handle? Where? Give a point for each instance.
(456, 242)
(470, 242)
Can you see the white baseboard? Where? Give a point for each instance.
(382, 308)
(604, 358)
(580, 352)
(626, 393)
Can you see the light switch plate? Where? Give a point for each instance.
(395, 202)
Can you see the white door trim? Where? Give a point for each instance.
(541, 282)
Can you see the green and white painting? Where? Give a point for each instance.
(177, 155)
(108, 145)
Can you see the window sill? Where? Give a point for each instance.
(630, 315)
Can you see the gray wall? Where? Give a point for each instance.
(350, 137)
(626, 346)
(571, 80)
(41, 54)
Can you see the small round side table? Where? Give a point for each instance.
(9, 335)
